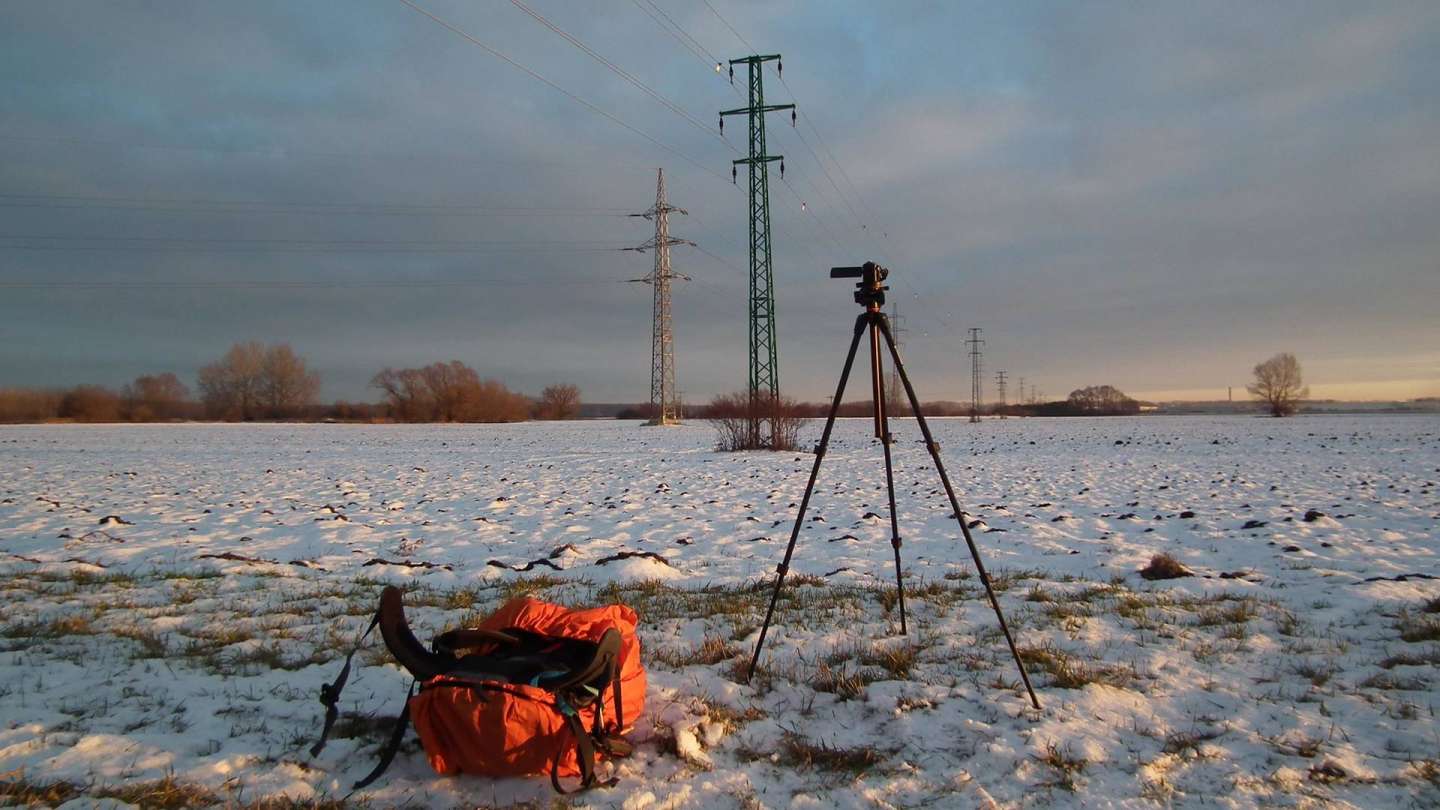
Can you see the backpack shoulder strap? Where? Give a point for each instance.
(330, 692)
(392, 745)
(585, 753)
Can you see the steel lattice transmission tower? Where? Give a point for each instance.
(664, 400)
(764, 366)
(1000, 384)
(895, 394)
(975, 343)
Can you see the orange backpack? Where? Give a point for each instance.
(539, 688)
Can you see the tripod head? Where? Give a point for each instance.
(869, 292)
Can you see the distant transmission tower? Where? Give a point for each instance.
(764, 365)
(1000, 384)
(895, 395)
(664, 400)
(975, 343)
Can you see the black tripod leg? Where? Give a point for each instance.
(784, 567)
(955, 504)
(884, 425)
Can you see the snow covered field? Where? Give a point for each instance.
(175, 595)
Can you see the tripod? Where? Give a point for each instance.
(870, 294)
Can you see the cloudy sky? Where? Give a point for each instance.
(1155, 196)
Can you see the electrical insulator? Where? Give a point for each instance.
(722, 123)
(792, 117)
(733, 176)
(782, 167)
(732, 74)
(779, 67)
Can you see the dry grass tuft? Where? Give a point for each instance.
(1163, 566)
(1068, 767)
(799, 752)
(1415, 628)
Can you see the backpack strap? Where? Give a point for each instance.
(584, 751)
(392, 745)
(330, 692)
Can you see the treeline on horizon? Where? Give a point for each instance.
(255, 382)
(1094, 400)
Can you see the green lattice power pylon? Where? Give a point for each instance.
(764, 368)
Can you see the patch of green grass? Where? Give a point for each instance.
(1067, 671)
(1237, 612)
(528, 586)
(713, 650)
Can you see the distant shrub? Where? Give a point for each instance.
(759, 422)
(90, 403)
(28, 405)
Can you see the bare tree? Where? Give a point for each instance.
(287, 386)
(1278, 384)
(452, 387)
(406, 395)
(252, 381)
(230, 388)
(155, 396)
(559, 402)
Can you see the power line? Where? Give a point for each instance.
(679, 34)
(743, 41)
(621, 72)
(291, 285)
(74, 201)
(805, 206)
(573, 97)
(195, 244)
(286, 151)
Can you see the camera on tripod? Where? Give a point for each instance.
(868, 290)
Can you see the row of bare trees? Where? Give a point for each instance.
(448, 392)
(455, 392)
(150, 398)
(255, 381)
